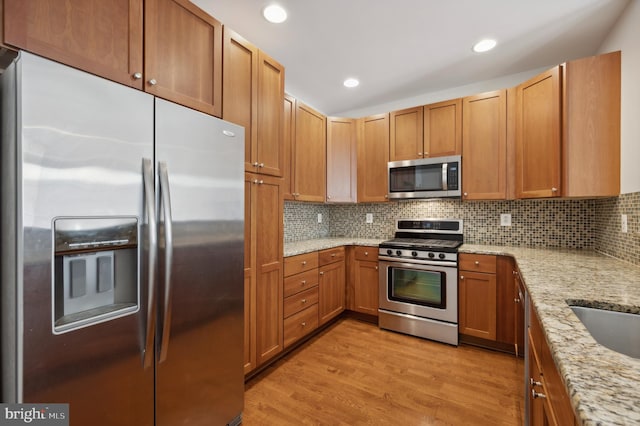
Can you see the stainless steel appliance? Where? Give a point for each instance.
(122, 252)
(436, 177)
(419, 279)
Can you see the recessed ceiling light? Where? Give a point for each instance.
(275, 14)
(351, 82)
(484, 45)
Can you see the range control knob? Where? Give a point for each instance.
(389, 252)
(399, 253)
(431, 255)
(441, 255)
(414, 253)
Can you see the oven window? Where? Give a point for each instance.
(425, 288)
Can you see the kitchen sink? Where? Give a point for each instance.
(618, 331)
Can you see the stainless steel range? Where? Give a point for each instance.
(419, 279)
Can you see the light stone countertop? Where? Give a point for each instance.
(604, 385)
(307, 246)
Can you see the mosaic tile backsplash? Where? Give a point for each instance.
(581, 224)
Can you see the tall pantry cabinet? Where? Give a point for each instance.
(253, 88)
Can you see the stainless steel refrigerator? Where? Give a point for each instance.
(122, 252)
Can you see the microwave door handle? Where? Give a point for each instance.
(445, 167)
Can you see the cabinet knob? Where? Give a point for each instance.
(535, 394)
(466, 194)
(153, 82)
(333, 255)
(419, 154)
(426, 154)
(386, 195)
(261, 165)
(462, 277)
(554, 189)
(366, 253)
(260, 182)
(137, 76)
(328, 197)
(255, 181)
(303, 283)
(476, 262)
(255, 164)
(516, 300)
(533, 382)
(376, 268)
(321, 273)
(303, 301)
(303, 324)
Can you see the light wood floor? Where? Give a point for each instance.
(356, 374)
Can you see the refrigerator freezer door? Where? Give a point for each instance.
(200, 375)
(82, 141)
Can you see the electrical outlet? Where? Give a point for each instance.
(319, 217)
(369, 218)
(505, 219)
(623, 223)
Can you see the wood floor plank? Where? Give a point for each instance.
(356, 374)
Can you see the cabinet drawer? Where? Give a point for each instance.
(330, 255)
(367, 253)
(300, 263)
(299, 282)
(300, 301)
(300, 324)
(477, 263)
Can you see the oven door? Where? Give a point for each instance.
(427, 291)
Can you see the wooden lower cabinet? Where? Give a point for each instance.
(362, 293)
(549, 403)
(263, 270)
(489, 311)
(332, 284)
(301, 295)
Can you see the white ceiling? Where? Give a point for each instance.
(402, 48)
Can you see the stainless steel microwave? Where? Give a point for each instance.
(436, 177)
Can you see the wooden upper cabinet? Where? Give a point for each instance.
(310, 154)
(341, 160)
(103, 38)
(183, 55)
(270, 150)
(538, 136)
(443, 128)
(373, 156)
(289, 134)
(405, 137)
(240, 89)
(591, 117)
(253, 92)
(484, 147)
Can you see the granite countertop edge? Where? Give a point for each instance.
(604, 385)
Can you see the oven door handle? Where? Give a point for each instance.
(394, 261)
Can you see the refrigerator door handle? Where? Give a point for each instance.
(165, 203)
(149, 198)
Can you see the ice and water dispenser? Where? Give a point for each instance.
(95, 270)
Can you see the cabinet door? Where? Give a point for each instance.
(183, 55)
(289, 133)
(331, 282)
(103, 38)
(373, 156)
(406, 134)
(538, 132)
(270, 150)
(477, 304)
(341, 160)
(240, 91)
(505, 301)
(484, 146)
(310, 154)
(249, 279)
(443, 128)
(366, 287)
(267, 234)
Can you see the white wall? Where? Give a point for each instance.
(625, 36)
